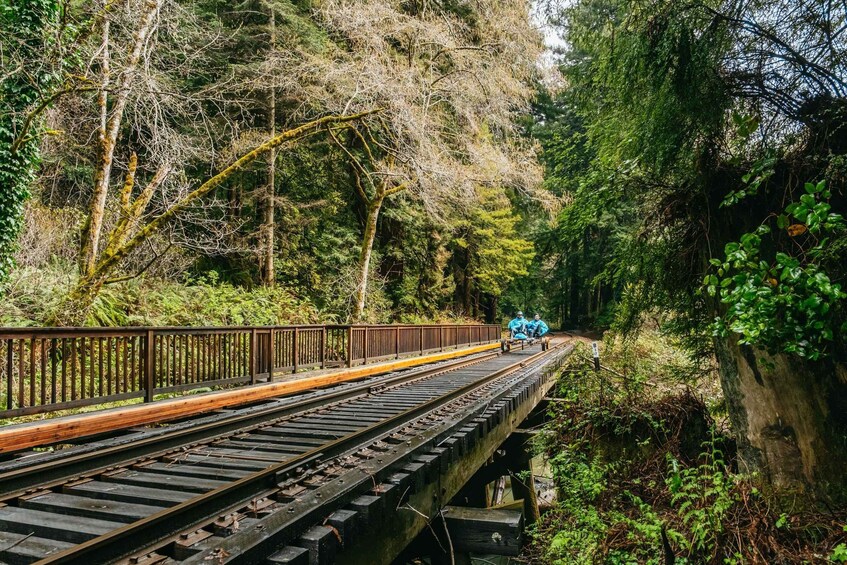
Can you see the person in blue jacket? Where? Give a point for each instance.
(536, 327)
(518, 325)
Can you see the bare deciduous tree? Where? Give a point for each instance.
(151, 129)
(131, 234)
(110, 124)
(269, 224)
(448, 88)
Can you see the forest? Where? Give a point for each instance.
(669, 175)
(275, 144)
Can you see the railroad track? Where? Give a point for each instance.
(181, 495)
(25, 469)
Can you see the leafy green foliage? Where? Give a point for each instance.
(762, 170)
(222, 110)
(646, 81)
(658, 111)
(602, 438)
(584, 255)
(702, 495)
(581, 526)
(789, 303)
(643, 104)
(488, 238)
(839, 553)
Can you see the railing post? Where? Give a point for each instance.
(296, 349)
(271, 353)
(350, 345)
(397, 342)
(420, 341)
(254, 346)
(323, 347)
(365, 344)
(149, 366)
(10, 366)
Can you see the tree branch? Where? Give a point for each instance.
(109, 260)
(143, 269)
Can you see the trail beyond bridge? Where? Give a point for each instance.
(345, 465)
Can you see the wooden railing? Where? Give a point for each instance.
(47, 369)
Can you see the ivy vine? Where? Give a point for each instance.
(25, 26)
(788, 304)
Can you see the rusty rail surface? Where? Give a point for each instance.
(48, 369)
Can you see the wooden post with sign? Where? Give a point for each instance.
(595, 350)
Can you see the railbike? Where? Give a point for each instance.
(521, 339)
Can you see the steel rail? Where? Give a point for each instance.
(188, 514)
(53, 473)
(466, 421)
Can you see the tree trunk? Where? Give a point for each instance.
(467, 309)
(790, 419)
(488, 303)
(574, 292)
(86, 289)
(90, 232)
(269, 274)
(373, 209)
(108, 135)
(599, 298)
(75, 307)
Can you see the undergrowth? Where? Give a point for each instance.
(645, 474)
(32, 295)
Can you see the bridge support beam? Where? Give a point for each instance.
(519, 457)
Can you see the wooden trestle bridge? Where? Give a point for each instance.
(319, 444)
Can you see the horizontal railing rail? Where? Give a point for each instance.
(48, 369)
